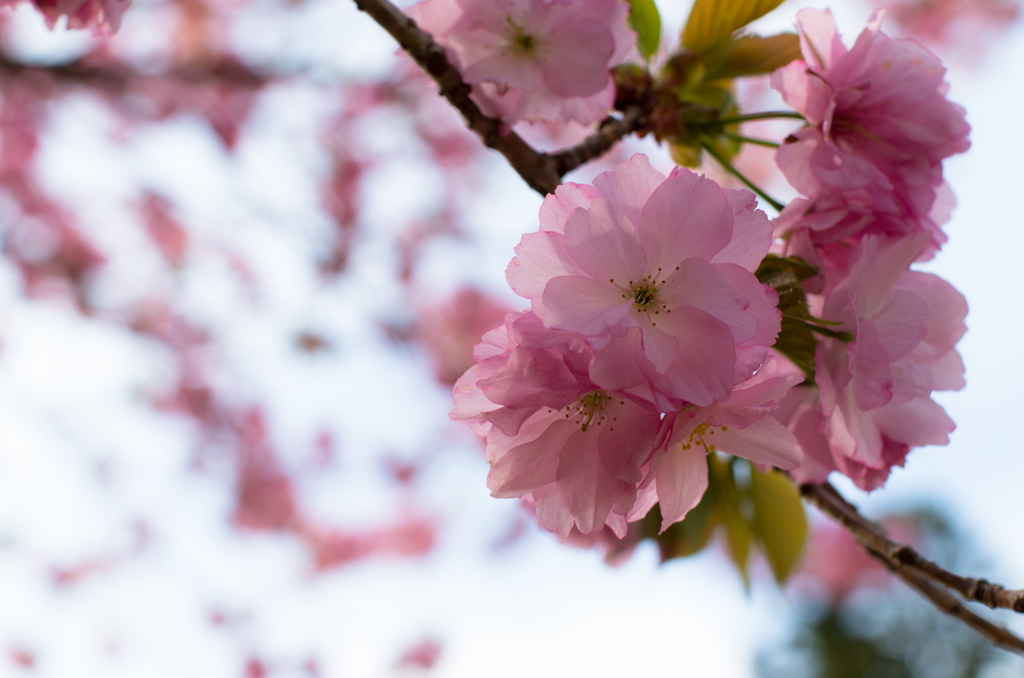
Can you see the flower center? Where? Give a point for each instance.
(697, 437)
(519, 42)
(644, 296)
(591, 407)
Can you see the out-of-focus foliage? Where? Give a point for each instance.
(855, 621)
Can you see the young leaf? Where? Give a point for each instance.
(711, 22)
(779, 521)
(646, 21)
(738, 530)
(751, 55)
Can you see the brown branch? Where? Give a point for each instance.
(608, 134)
(542, 171)
(920, 573)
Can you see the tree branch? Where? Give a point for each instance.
(920, 573)
(610, 131)
(542, 171)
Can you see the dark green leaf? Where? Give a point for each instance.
(798, 343)
(645, 20)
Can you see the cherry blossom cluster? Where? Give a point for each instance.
(649, 339)
(646, 346)
(533, 59)
(869, 163)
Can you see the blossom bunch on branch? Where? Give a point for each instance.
(670, 322)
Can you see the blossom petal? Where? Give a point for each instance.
(765, 441)
(583, 305)
(629, 186)
(682, 480)
(603, 244)
(686, 216)
(578, 53)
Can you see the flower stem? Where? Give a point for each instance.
(735, 172)
(752, 140)
(767, 115)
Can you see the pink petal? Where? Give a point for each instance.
(505, 71)
(686, 216)
(629, 186)
(872, 375)
(541, 257)
(578, 51)
(585, 485)
(881, 264)
(614, 365)
(682, 480)
(603, 244)
(583, 305)
(702, 372)
(552, 513)
(531, 465)
(819, 41)
(765, 441)
(921, 421)
(902, 323)
(751, 233)
(566, 199)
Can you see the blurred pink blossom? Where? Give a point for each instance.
(100, 16)
(533, 59)
(422, 655)
(449, 330)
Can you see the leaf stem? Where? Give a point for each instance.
(752, 140)
(767, 115)
(750, 184)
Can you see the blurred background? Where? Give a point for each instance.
(246, 250)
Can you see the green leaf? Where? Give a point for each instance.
(797, 342)
(645, 20)
(751, 55)
(711, 22)
(779, 521)
(738, 529)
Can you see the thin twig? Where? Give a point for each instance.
(726, 165)
(608, 133)
(542, 171)
(919, 572)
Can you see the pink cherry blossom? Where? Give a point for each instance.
(873, 399)
(657, 273)
(101, 16)
(739, 426)
(575, 448)
(879, 126)
(533, 59)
